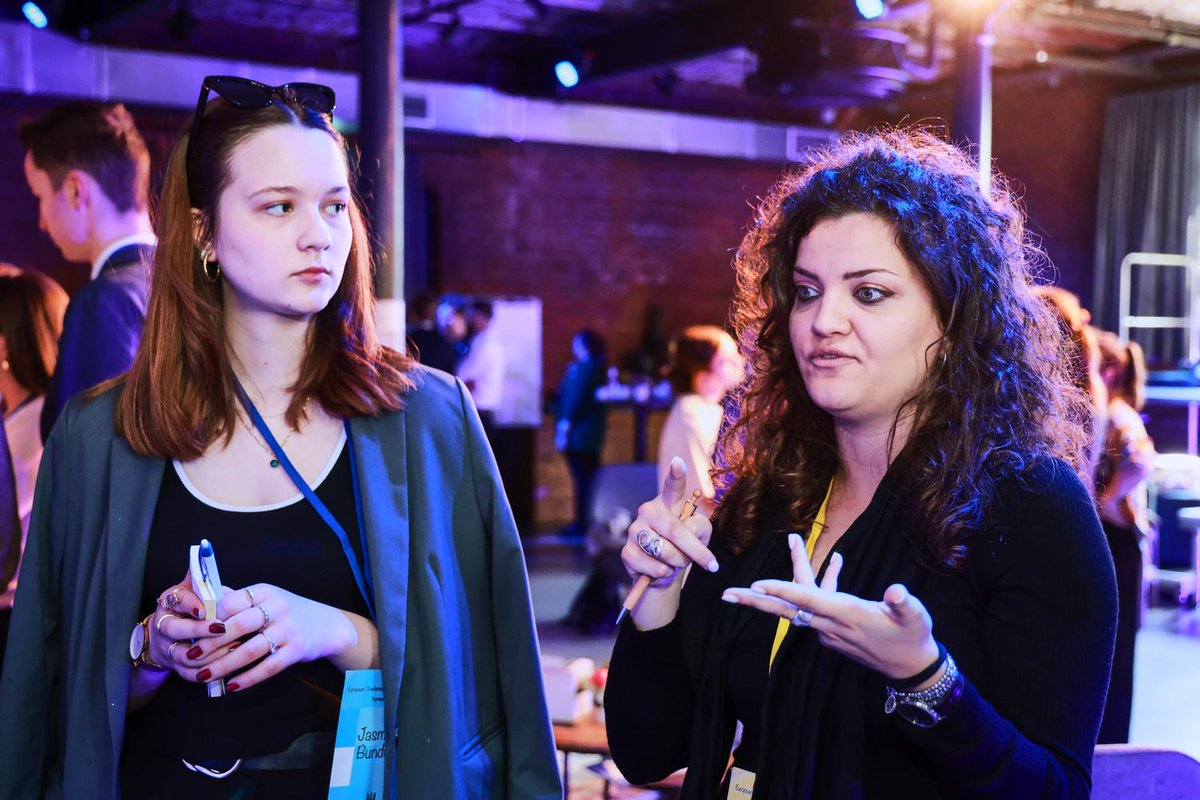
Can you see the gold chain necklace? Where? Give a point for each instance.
(257, 437)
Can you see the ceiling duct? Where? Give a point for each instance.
(829, 66)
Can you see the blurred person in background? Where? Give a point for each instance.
(705, 365)
(579, 430)
(482, 369)
(1125, 463)
(31, 317)
(89, 170)
(1084, 367)
(427, 343)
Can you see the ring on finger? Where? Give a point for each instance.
(158, 622)
(266, 616)
(250, 594)
(273, 648)
(802, 618)
(171, 649)
(173, 597)
(650, 543)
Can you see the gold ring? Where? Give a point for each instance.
(266, 616)
(250, 594)
(173, 597)
(171, 649)
(274, 648)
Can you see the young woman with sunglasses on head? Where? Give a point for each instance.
(349, 494)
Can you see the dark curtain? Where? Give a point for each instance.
(1148, 202)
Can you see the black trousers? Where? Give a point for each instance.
(583, 466)
(1127, 558)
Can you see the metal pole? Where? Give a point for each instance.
(381, 139)
(973, 87)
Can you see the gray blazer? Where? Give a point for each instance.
(462, 681)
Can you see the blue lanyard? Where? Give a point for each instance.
(362, 573)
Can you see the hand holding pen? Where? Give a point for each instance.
(665, 538)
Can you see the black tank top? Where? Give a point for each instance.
(287, 545)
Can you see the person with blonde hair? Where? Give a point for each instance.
(1125, 465)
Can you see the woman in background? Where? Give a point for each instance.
(31, 316)
(705, 365)
(1125, 464)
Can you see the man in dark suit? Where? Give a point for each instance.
(89, 169)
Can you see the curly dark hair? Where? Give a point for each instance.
(997, 397)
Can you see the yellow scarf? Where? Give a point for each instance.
(818, 525)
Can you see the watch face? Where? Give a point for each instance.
(918, 714)
(137, 641)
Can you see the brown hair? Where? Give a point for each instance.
(32, 305)
(996, 398)
(100, 139)
(1130, 362)
(691, 353)
(178, 396)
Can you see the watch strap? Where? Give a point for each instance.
(143, 659)
(934, 702)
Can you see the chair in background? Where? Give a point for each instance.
(624, 486)
(1173, 551)
(617, 492)
(1123, 771)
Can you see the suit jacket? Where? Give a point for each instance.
(462, 680)
(101, 329)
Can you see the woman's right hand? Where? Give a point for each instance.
(677, 542)
(178, 619)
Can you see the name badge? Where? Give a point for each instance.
(741, 784)
(358, 747)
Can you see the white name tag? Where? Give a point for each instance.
(741, 784)
(360, 742)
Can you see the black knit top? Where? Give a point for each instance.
(1030, 622)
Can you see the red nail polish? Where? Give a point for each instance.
(217, 627)
(195, 652)
(196, 613)
(233, 687)
(204, 674)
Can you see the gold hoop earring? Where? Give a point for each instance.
(215, 274)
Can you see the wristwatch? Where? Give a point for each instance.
(929, 706)
(139, 647)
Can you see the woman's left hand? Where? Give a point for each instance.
(279, 627)
(893, 636)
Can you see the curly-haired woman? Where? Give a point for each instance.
(908, 415)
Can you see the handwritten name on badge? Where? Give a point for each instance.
(360, 743)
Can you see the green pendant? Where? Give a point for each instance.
(274, 462)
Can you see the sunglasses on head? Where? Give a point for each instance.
(245, 93)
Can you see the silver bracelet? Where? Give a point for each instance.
(927, 707)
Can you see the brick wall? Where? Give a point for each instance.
(599, 235)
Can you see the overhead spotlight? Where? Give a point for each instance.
(33, 12)
(870, 9)
(567, 74)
